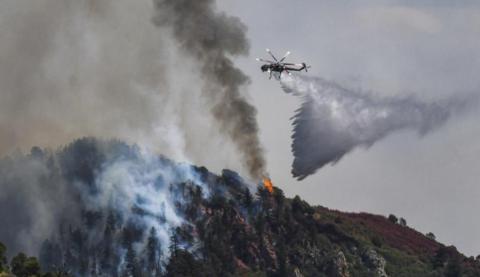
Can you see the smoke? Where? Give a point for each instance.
(26, 207)
(102, 69)
(334, 120)
(211, 38)
(70, 69)
(78, 187)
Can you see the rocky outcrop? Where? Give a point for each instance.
(340, 265)
(375, 262)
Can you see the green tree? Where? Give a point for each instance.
(23, 266)
(430, 235)
(107, 254)
(3, 257)
(152, 251)
(247, 198)
(18, 265)
(131, 262)
(174, 241)
(392, 218)
(183, 264)
(32, 266)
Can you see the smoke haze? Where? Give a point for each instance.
(70, 69)
(334, 120)
(103, 69)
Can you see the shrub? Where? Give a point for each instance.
(430, 235)
(393, 218)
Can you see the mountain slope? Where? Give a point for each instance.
(131, 214)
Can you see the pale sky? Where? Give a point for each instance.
(428, 49)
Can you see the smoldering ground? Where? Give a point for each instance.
(334, 120)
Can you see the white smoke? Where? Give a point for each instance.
(334, 120)
(143, 183)
(50, 190)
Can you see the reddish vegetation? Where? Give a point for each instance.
(395, 235)
(400, 237)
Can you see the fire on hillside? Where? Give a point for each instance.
(267, 183)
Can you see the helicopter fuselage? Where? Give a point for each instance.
(273, 67)
(280, 67)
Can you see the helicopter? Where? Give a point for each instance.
(280, 66)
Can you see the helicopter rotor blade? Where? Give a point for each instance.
(284, 57)
(263, 60)
(270, 52)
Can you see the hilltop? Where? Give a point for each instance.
(183, 220)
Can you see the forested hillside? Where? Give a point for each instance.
(201, 224)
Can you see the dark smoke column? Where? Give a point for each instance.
(209, 37)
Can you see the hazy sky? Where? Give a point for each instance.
(428, 49)
(69, 69)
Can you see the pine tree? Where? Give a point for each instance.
(131, 262)
(174, 243)
(94, 267)
(153, 246)
(247, 198)
(107, 252)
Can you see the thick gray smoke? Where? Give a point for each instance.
(333, 120)
(210, 37)
(101, 68)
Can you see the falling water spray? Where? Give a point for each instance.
(334, 120)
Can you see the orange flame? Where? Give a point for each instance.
(268, 184)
